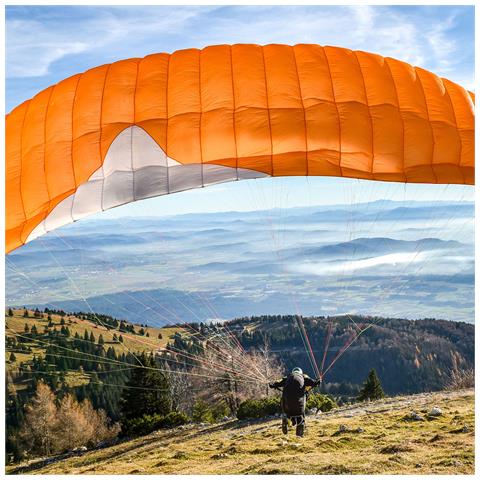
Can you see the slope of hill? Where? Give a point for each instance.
(99, 329)
(377, 439)
(424, 352)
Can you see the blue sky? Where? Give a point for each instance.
(46, 44)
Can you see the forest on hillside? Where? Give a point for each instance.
(409, 356)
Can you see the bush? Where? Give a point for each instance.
(320, 403)
(220, 410)
(149, 423)
(258, 408)
(202, 413)
(205, 413)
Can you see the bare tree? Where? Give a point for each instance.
(460, 377)
(242, 375)
(97, 425)
(48, 429)
(38, 432)
(180, 389)
(70, 423)
(269, 364)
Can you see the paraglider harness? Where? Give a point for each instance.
(297, 420)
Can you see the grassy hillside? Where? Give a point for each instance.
(131, 342)
(377, 440)
(426, 351)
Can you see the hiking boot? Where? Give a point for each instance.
(284, 426)
(300, 430)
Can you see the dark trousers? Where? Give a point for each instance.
(296, 419)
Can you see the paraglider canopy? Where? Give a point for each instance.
(139, 128)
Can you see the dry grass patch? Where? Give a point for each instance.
(385, 446)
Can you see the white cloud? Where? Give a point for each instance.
(32, 48)
(391, 260)
(34, 45)
(423, 38)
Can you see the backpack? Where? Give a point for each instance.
(294, 386)
(293, 398)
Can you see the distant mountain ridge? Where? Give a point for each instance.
(378, 245)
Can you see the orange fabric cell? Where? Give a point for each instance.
(58, 139)
(217, 120)
(87, 124)
(118, 101)
(33, 184)
(15, 211)
(465, 121)
(252, 119)
(387, 124)
(225, 113)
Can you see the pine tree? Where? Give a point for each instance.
(10, 312)
(101, 341)
(372, 388)
(25, 313)
(62, 363)
(26, 328)
(120, 339)
(115, 338)
(147, 392)
(160, 336)
(92, 337)
(111, 353)
(12, 357)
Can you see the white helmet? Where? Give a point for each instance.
(297, 370)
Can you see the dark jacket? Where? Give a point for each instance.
(294, 393)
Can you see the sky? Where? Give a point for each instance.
(45, 44)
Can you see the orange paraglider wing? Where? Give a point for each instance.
(169, 122)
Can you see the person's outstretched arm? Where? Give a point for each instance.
(310, 382)
(278, 384)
